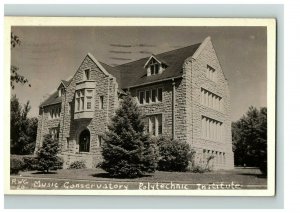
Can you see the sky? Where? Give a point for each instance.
(48, 55)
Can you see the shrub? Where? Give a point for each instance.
(174, 155)
(47, 155)
(127, 150)
(203, 166)
(16, 165)
(77, 165)
(30, 163)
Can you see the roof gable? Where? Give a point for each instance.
(134, 73)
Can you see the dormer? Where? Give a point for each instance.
(154, 66)
(61, 89)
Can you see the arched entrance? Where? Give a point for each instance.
(84, 141)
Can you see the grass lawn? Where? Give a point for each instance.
(243, 176)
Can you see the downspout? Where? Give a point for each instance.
(173, 109)
(192, 101)
(63, 120)
(108, 94)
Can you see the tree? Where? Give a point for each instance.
(47, 158)
(128, 150)
(15, 77)
(249, 136)
(22, 129)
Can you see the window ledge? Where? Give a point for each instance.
(83, 114)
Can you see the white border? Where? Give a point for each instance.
(75, 21)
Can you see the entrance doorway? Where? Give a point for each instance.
(84, 141)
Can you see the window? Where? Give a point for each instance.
(70, 108)
(84, 141)
(68, 143)
(100, 141)
(153, 95)
(150, 96)
(211, 129)
(54, 112)
(60, 91)
(154, 67)
(155, 125)
(54, 132)
(210, 73)
(89, 97)
(84, 100)
(159, 94)
(211, 100)
(87, 74)
(141, 97)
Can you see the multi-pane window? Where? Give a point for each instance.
(210, 73)
(154, 124)
(54, 112)
(84, 100)
(211, 129)
(154, 67)
(101, 102)
(89, 99)
(54, 132)
(211, 100)
(150, 96)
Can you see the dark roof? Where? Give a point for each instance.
(66, 83)
(52, 99)
(134, 73)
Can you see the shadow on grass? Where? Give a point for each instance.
(254, 175)
(107, 175)
(43, 173)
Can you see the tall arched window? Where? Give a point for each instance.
(84, 141)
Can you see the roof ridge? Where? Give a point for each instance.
(159, 54)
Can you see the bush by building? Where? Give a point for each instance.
(174, 155)
(16, 165)
(77, 165)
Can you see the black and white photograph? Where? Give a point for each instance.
(125, 106)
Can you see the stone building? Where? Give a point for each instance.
(183, 93)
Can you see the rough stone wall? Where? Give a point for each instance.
(45, 123)
(194, 78)
(165, 107)
(70, 128)
(106, 86)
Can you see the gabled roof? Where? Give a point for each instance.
(134, 73)
(155, 58)
(54, 98)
